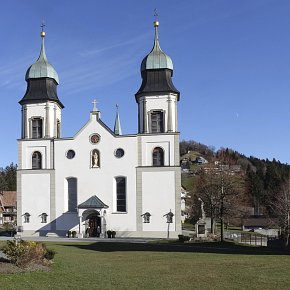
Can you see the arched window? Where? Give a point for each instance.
(57, 129)
(157, 124)
(72, 194)
(121, 194)
(36, 128)
(158, 156)
(36, 160)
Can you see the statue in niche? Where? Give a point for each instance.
(95, 159)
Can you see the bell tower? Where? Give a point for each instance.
(157, 97)
(41, 108)
(158, 172)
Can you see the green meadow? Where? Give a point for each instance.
(113, 265)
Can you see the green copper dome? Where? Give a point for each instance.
(42, 68)
(156, 59)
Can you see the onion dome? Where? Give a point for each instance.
(156, 59)
(156, 72)
(42, 68)
(42, 80)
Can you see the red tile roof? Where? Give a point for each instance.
(8, 198)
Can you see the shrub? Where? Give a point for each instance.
(74, 234)
(8, 226)
(23, 253)
(183, 238)
(49, 255)
(13, 250)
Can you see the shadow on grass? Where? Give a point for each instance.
(217, 247)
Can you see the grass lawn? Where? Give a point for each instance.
(155, 266)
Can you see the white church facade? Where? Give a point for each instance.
(100, 179)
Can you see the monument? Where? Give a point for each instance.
(200, 226)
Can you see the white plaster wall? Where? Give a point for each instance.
(52, 121)
(158, 197)
(98, 181)
(149, 142)
(58, 116)
(35, 200)
(159, 103)
(39, 110)
(35, 110)
(28, 147)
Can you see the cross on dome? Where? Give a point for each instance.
(42, 25)
(156, 22)
(42, 33)
(94, 102)
(155, 14)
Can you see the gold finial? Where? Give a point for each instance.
(156, 22)
(42, 33)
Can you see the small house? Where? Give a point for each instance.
(8, 210)
(262, 225)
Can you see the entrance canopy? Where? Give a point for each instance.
(91, 217)
(93, 202)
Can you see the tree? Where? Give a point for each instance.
(230, 193)
(3, 183)
(207, 187)
(281, 208)
(8, 178)
(220, 192)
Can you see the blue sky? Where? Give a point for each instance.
(231, 64)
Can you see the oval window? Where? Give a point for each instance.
(119, 153)
(70, 154)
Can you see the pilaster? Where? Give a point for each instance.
(47, 121)
(145, 127)
(169, 119)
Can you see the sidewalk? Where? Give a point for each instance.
(84, 240)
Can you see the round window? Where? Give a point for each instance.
(119, 153)
(70, 154)
(95, 138)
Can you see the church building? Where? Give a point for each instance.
(100, 180)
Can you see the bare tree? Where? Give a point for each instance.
(281, 208)
(221, 193)
(207, 188)
(231, 190)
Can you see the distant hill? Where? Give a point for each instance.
(263, 178)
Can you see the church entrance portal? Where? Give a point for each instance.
(94, 226)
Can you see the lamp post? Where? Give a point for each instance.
(169, 217)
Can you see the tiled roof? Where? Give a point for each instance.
(8, 198)
(93, 202)
(261, 222)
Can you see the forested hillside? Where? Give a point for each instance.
(262, 179)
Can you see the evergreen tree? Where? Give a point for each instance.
(8, 178)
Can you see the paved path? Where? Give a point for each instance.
(77, 240)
